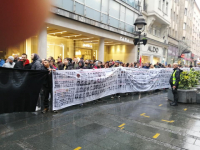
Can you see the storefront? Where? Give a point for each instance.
(172, 55)
(153, 54)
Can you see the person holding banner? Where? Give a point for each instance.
(174, 82)
(47, 85)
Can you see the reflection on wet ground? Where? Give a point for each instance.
(135, 122)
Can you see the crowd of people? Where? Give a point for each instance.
(50, 64)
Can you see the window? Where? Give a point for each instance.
(114, 9)
(122, 13)
(163, 7)
(105, 6)
(185, 11)
(94, 5)
(167, 8)
(129, 17)
(159, 4)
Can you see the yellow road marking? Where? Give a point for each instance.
(78, 148)
(144, 115)
(156, 135)
(122, 125)
(160, 105)
(168, 121)
(185, 109)
(122, 128)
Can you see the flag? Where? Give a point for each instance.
(19, 89)
(140, 61)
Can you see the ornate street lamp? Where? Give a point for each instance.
(140, 24)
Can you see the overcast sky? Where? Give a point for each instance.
(198, 2)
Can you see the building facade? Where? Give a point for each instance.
(157, 15)
(89, 29)
(196, 33)
(173, 51)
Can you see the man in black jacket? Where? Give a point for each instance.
(36, 64)
(47, 85)
(174, 82)
(23, 63)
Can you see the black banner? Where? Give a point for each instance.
(19, 89)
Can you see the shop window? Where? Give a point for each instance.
(156, 60)
(145, 59)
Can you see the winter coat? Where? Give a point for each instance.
(177, 76)
(2, 62)
(22, 65)
(36, 64)
(48, 80)
(8, 65)
(60, 65)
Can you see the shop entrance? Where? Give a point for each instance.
(86, 54)
(145, 59)
(156, 60)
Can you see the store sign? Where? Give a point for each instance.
(87, 45)
(124, 39)
(153, 49)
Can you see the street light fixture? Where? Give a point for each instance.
(140, 24)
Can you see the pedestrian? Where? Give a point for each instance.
(174, 82)
(110, 64)
(47, 85)
(16, 58)
(59, 64)
(87, 65)
(23, 63)
(191, 68)
(106, 65)
(52, 63)
(36, 64)
(1, 62)
(151, 67)
(91, 64)
(10, 62)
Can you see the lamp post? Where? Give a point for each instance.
(140, 24)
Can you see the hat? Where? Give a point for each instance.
(11, 58)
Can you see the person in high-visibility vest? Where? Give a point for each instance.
(191, 68)
(174, 82)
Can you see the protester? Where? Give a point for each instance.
(110, 64)
(152, 67)
(107, 64)
(91, 64)
(1, 62)
(47, 85)
(87, 65)
(98, 65)
(174, 82)
(23, 63)
(191, 68)
(36, 64)
(59, 64)
(10, 62)
(137, 65)
(52, 63)
(75, 63)
(80, 65)
(16, 58)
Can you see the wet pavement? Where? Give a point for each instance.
(135, 122)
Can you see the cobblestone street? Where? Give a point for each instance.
(135, 122)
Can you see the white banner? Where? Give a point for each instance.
(73, 87)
